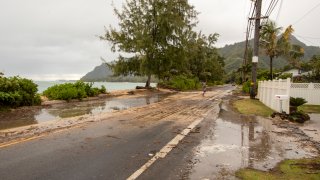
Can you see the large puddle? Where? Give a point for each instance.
(34, 115)
(237, 142)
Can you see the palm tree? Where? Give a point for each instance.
(269, 41)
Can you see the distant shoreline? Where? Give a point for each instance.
(110, 86)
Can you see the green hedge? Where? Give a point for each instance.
(181, 83)
(68, 91)
(16, 91)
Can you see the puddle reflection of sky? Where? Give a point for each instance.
(60, 111)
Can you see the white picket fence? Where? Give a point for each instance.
(267, 91)
(308, 91)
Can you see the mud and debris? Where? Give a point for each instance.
(234, 141)
(39, 114)
(185, 107)
(26, 122)
(238, 141)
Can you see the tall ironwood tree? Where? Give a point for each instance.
(153, 32)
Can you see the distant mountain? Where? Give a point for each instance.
(233, 55)
(99, 73)
(104, 73)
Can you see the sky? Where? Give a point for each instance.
(54, 40)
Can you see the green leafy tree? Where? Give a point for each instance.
(315, 64)
(204, 60)
(153, 32)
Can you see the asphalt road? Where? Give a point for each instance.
(116, 147)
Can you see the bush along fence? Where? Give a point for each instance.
(276, 94)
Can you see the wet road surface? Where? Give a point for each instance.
(114, 147)
(120, 144)
(226, 143)
(34, 115)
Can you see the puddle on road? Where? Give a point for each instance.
(311, 128)
(34, 115)
(237, 142)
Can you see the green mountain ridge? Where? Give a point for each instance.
(99, 73)
(234, 54)
(104, 73)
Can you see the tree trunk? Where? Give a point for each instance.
(271, 74)
(148, 81)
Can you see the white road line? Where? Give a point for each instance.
(167, 148)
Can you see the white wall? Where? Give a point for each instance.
(308, 91)
(267, 90)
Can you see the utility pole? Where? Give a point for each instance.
(255, 58)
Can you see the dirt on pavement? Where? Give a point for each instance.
(232, 140)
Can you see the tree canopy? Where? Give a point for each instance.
(158, 38)
(276, 44)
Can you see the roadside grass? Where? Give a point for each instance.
(250, 106)
(4, 109)
(310, 108)
(287, 169)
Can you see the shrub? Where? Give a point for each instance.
(299, 116)
(218, 83)
(297, 101)
(295, 115)
(246, 87)
(285, 76)
(16, 91)
(181, 83)
(68, 91)
(103, 89)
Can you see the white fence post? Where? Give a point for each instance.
(288, 87)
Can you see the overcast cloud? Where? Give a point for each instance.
(48, 40)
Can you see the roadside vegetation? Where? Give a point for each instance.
(288, 169)
(16, 91)
(252, 106)
(310, 109)
(296, 114)
(181, 83)
(77, 90)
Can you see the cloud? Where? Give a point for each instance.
(45, 39)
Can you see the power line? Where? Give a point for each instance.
(304, 38)
(281, 3)
(312, 9)
(249, 31)
(308, 37)
(270, 9)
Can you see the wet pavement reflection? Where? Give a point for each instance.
(237, 141)
(33, 115)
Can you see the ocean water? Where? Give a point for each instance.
(110, 86)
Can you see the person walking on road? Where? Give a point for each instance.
(204, 88)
